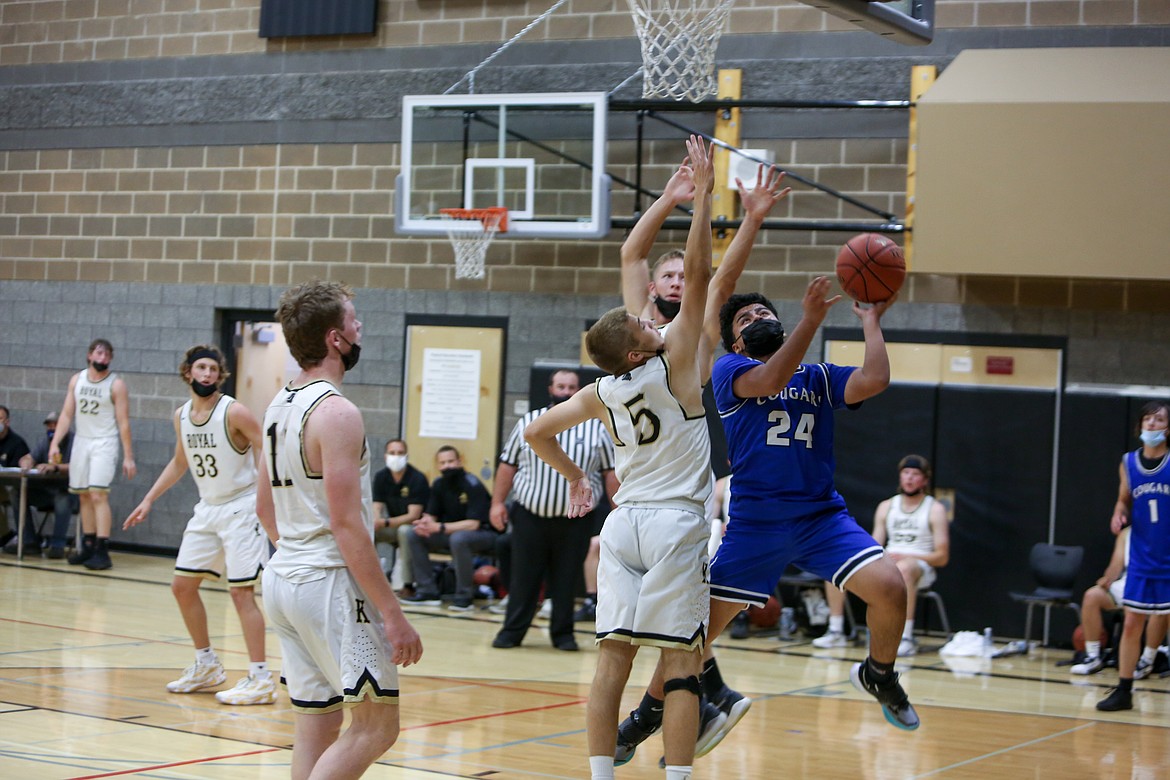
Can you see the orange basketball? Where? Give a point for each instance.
(766, 616)
(1078, 639)
(487, 575)
(871, 268)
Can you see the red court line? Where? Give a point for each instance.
(496, 714)
(175, 764)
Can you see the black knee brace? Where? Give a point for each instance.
(683, 684)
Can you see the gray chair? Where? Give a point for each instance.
(931, 595)
(1055, 570)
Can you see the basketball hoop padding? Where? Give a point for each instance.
(478, 228)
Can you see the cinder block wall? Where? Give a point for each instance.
(160, 163)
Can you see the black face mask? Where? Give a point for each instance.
(350, 359)
(202, 390)
(762, 337)
(101, 368)
(668, 309)
(452, 474)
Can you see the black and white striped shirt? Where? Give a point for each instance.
(537, 486)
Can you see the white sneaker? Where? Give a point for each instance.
(500, 607)
(907, 647)
(830, 640)
(198, 676)
(1090, 665)
(545, 609)
(1143, 669)
(250, 690)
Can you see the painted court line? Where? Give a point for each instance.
(157, 767)
(1002, 751)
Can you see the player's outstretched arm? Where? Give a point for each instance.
(636, 248)
(541, 435)
(682, 339)
(771, 377)
(874, 374)
(171, 473)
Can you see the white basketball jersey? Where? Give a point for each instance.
(222, 473)
(909, 532)
(302, 511)
(93, 406)
(661, 453)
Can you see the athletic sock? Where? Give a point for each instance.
(678, 772)
(1092, 650)
(836, 624)
(649, 711)
(205, 656)
(712, 680)
(1148, 654)
(601, 767)
(908, 630)
(879, 672)
(258, 670)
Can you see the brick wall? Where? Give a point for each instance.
(45, 31)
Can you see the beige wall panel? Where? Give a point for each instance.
(479, 454)
(918, 363)
(1033, 368)
(1045, 162)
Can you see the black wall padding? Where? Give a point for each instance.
(995, 449)
(870, 440)
(284, 18)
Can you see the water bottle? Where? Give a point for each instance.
(988, 643)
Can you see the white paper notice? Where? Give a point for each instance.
(450, 394)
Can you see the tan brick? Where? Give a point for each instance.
(95, 271)
(262, 274)
(332, 203)
(113, 249)
(243, 179)
(15, 55)
(79, 248)
(1098, 295)
(990, 290)
(305, 272)
(113, 49)
(150, 203)
(253, 249)
(297, 155)
(233, 273)
(1056, 14)
(314, 179)
(143, 48)
(177, 46)
(602, 281)
(290, 251)
(147, 248)
(68, 181)
(386, 277)
(799, 19)
(217, 249)
(44, 53)
(128, 271)
(429, 277)
(294, 203)
(16, 13)
(76, 51)
(1002, 14)
(28, 269)
(181, 249)
(1044, 292)
(1106, 12)
(1153, 12)
(375, 154)
(162, 273)
(187, 157)
(329, 252)
(1146, 296)
(197, 273)
(258, 156)
(47, 247)
(62, 271)
(354, 179)
(750, 20)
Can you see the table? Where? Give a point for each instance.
(16, 474)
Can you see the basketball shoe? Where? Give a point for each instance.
(632, 732)
(249, 690)
(1143, 669)
(907, 648)
(198, 676)
(1116, 700)
(1090, 665)
(830, 639)
(895, 704)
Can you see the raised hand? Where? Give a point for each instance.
(758, 202)
(702, 163)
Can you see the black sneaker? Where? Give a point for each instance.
(713, 727)
(631, 733)
(895, 705)
(586, 612)
(99, 560)
(82, 555)
(422, 599)
(1116, 700)
(740, 626)
(734, 705)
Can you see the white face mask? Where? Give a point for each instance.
(396, 462)
(1153, 438)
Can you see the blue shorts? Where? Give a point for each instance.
(1149, 595)
(752, 557)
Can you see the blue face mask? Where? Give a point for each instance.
(1153, 438)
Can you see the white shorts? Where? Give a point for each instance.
(929, 575)
(92, 463)
(652, 579)
(1117, 590)
(334, 648)
(219, 534)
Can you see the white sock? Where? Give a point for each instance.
(908, 630)
(258, 670)
(1092, 650)
(836, 624)
(601, 767)
(206, 657)
(678, 773)
(1148, 654)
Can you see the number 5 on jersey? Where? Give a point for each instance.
(648, 433)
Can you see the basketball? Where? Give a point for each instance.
(871, 268)
(487, 575)
(767, 616)
(1078, 639)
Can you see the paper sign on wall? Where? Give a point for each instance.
(450, 394)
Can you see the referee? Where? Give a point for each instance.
(546, 543)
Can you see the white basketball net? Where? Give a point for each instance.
(471, 245)
(679, 38)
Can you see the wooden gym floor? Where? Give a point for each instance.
(84, 657)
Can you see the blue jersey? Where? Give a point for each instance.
(1149, 516)
(781, 446)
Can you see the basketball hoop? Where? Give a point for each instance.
(477, 228)
(679, 38)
